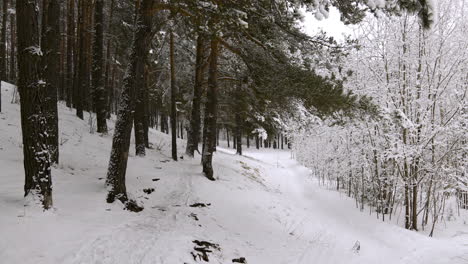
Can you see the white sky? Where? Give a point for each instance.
(332, 25)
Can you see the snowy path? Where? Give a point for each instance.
(336, 224)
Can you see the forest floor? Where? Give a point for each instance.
(264, 207)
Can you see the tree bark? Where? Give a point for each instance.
(193, 135)
(51, 63)
(123, 127)
(211, 112)
(173, 98)
(70, 50)
(3, 51)
(107, 75)
(99, 91)
(80, 61)
(140, 120)
(238, 133)
(12, 48)
(38, 178)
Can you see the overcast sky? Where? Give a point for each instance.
(332, 25)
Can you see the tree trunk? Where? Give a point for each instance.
(173, 98)
(12, 48)
(209, 136)
(193, 135)
(227, 137)
(99, 91)
(139, 119)
(123, 127)
(51, 63)
(38, 178)
(107, 74)
(3, 51)
(70, 50)
(238, 133)
(80, 61)
(3, 59)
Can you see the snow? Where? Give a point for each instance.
(264, 206)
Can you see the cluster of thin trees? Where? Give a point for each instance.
(213, 64)
(410, 158)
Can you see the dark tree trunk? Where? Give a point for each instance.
(146, 106)
(51, 63)
(173, 99)
(70, 50)
(38, 178)
(227, 137)
(238, 133)
(123, 127)
(248, 141)
(62, 55)
(99, 91)
(257, 142)
(139, 119)
(80, 62)
(282, 140)
(3, 57)
(107, 74)
(3, 51)
(211, 112)
(193, 135)
(12, 48)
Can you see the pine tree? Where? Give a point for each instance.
(38, 178)
(173, 98)
(211, 111)
(193, 136)
(51, 62)
(123, 127)
(70, 51)
(99, 91)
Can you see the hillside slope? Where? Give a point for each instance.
(263, 207)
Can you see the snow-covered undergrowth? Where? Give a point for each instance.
(263, 207)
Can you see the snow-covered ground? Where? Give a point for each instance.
(264, 207)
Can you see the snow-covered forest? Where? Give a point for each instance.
(218, 131)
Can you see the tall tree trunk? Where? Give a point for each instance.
(12, 48)
(3, 50)
(227, 136)
(80, 61)
(146, 97)
(3, 59)
(70, 49)
(193, 135)
(38, 178)
(209, 135)
(107, 75)
(138, 123)
(173, 99)
(51, 63)
(99, 91)
(123, 127)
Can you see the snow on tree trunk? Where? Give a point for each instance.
(123, 127)
(51, 62)
(209, 135)
(38, 178)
